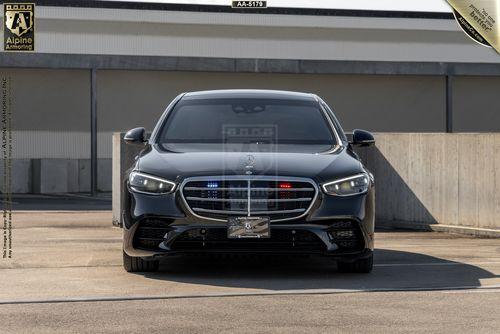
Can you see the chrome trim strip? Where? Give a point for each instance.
(332, 126)
(278, 211)
(249, 191)
(248, 178)
(203, 199)
(252, 189)
(253, 200)
(253, 212)
(221, 211)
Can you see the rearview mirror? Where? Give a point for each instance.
(135, 136)
(362, 138)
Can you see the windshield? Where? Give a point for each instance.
(203, 123)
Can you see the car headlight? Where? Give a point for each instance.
(145, 183)
(353, 185)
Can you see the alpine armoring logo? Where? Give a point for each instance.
(19, 32)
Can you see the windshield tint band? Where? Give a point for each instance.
(225, 120)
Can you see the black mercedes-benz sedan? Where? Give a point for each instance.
(248, 171)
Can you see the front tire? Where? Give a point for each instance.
(136, 264)
(358, 266)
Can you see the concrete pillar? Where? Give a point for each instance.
(123, 159)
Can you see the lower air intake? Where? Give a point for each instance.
(215, 239)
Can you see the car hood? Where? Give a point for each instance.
(317, 166)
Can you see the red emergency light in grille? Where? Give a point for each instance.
(285, 185)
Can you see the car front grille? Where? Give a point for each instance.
(277, 198)
(281, 240)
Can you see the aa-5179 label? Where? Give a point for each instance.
(249, 4)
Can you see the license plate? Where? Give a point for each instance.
(248, 227)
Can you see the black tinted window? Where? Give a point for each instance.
(246, 120)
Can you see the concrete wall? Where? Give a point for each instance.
(47, 176)
(424, 178)
(450, 179)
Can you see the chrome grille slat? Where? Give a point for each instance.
(278, 211)
(253, 212)
(219, 197)
(244, 200)
(253, 189)
(220, 211)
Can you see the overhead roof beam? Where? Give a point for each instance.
(209, 64)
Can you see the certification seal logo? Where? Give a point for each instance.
(479, 19)
(19, 32)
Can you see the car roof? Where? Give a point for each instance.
(250, 94)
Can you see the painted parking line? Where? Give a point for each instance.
(63, 267)
(492, 290)
(84, 238)
(380, 265)
(435, 264)
(457, 289)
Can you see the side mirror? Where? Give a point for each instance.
(136, 136)
(362, 138)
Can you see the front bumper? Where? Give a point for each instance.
(173, 230)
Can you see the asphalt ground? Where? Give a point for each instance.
(66, 277)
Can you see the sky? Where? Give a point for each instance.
(396, 5)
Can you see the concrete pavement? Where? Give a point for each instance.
(66, 276)
(375, 312)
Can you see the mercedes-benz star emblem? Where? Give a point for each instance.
(250, 159)
(249, 164)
